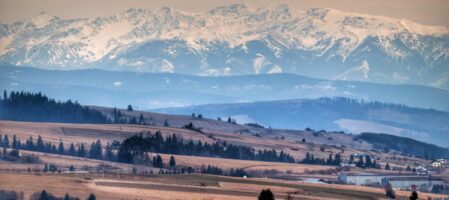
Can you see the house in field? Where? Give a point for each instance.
(419, 183)
(347, 165)
(436, 164)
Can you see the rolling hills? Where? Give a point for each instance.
(333, 114)
(155, 90)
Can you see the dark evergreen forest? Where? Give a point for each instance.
(137, 145)
(405, 145)
(36, 107)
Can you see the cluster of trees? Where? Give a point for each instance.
(119, 118)
(13, 195)
(15, 156)
(199, 116)
(364, 162)
(255, 125)
(95, 151)
(137, 145)
(266, 194)
(190, 126)
(440, 189)
(331, 160)
(36, 107)
(44, 195)
(237, 172)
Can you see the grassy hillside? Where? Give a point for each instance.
(333, 114)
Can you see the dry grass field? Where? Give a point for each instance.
(197, 187)
(118, 184)
(88, 133)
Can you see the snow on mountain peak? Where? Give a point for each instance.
(233, 39)
(42, 19)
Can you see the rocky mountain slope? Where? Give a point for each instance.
(234, 40)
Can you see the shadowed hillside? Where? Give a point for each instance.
(333, 114)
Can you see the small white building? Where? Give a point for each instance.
(436, 164)
(360, 178)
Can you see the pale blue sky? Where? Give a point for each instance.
(431, 12)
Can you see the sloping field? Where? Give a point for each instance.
(88, 133)
(183, 187)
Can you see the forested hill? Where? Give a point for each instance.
(405, 145)
(36, 107)
(337, 113)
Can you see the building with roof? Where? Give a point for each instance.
(361, 178)
(419, 183)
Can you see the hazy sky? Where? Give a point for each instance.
(431, 12)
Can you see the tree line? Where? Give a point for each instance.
(95, 151)
(36, 107)
(405, 145)
(237, 172)
(331, 160)
(364, 162)
(135, 149)
(138, 145)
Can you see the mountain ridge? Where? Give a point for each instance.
(234, 40)
(155, 90)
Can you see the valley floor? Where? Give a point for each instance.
(181, 187)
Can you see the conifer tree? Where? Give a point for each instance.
(6, 141)
(61, 148)
(46, 168)
(408, 168)
(330, 160)
(360, 163)
(351, 159)
(44, 196)
(414, 196)
(14, 141)
(40, 146)
(72, 150)
(157, 161)
(266, 195)
(81, 151)
(141, 119)
(172, 161)
(368, 162)
(92, 197)
(109, 155)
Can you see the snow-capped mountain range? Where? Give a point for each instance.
(234, 40)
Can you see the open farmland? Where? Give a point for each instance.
(182, 187)
(88, 133)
